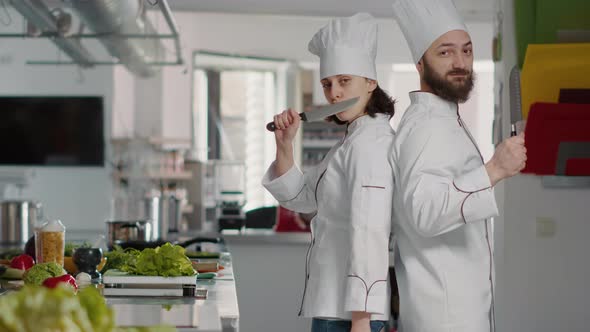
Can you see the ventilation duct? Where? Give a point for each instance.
(123, 17)
(38, 14)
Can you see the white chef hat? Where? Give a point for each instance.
(347, 45)
(423, 21)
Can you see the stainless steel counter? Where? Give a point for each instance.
(260, 237)
(218, 313)
(257, 236)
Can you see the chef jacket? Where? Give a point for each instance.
(442, 204)
(351, 190)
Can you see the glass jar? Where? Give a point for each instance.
(50, 240)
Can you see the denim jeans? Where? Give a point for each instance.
(324, 325)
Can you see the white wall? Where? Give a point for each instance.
(123, 103)
(542, 283)
(80, 197)
(149, 109)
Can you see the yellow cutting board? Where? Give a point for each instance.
(548, 68)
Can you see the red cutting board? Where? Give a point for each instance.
(547, 125)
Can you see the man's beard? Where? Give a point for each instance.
(451, 91)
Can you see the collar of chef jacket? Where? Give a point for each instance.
(430, 100)
(364, 120)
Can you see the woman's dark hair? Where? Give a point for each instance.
(380, 102)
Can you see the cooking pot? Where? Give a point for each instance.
(18, 221)
(121, 231)
(165, 211)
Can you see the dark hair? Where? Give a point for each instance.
(380, 102)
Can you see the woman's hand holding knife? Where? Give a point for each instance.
(286, 123)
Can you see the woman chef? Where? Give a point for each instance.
(346, 287)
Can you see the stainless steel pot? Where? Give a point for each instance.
(153, 212)
(174, 212)
(18, 221)
(165, 212)
(119, 231)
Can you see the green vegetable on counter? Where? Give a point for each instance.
(166, 261)
(122, 260)
(39, 272)
(40, 309)
(7, 272)
(71, 246)
(10, 254)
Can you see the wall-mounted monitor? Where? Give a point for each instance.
(51, 130)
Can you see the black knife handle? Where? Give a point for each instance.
(271, 125)
(512, 130)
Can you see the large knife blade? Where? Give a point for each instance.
(515, 99)
(322, 112)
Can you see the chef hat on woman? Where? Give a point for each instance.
(423, 21)
(347, 46)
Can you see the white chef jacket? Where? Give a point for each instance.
(351, 190)
(442, 202)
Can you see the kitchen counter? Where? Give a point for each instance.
(246, 236)
(262, 260)
(218, 313)
(263, 236)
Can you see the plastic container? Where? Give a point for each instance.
(50, 241)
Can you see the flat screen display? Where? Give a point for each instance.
(51, 131)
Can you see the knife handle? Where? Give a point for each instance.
(271, 125)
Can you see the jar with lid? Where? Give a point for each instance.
(50, 239)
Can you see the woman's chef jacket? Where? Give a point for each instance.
(351, 190)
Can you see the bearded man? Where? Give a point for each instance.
(443, 194)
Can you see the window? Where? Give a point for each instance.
(233, 99)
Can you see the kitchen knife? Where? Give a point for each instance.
(322, 112)
(515, 99)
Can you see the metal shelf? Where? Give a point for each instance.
(182, 175)
(566, 151)
(565, 182)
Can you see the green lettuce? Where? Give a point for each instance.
(35, 308)
(100, 316)
(167, 261)
(40, 309)
(39, 272)
(70, 247)
(122, 260)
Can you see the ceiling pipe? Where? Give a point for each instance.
(173, 28)
(38, 14)
(113, 19)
